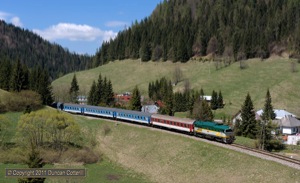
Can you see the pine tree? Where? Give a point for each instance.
(150, 90)
(74, 90)
(45, 88)
(220, 100)
(99, 91)
(25, 83)
(5, 74)
(92, 98)
(169, 100)
(201, 93)
(248, 125)
(105, 94)
(17, 78)
(110, 94)
(135, 101)
(266, 126)
(214, 100)
(268, 112)
(34, 161)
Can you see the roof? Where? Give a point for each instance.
(289, 121)
(207, 97)
(150, 108)
(208, 124)
(279, 113)
(172, 118)
(132, 112)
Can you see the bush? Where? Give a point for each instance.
(106, 129)
(22, 100)
(276, 145)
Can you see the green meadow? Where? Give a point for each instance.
(235, 83)
(142, 154)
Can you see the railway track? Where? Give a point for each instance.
(294, 163)
(266, 153)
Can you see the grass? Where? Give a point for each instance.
(167, 157)
(234, 83)
(136, 154)
(105, 171)
(245, 141)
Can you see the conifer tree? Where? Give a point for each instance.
(17, 78)
(45, 88)
(201, 93)
(99, 95)
(214, 100)
(150, 90)
(248, 126)
(74, 90)
(110, 94)
(5, 74)
(135, 101)
(266, 126)
(169, 100)
(34, 161)
(92, 98)
(220, 100)
(268, 112)
(104, 96)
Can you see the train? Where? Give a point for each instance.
(204, 129)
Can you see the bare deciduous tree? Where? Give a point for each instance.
(177, 77)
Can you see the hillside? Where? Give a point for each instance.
(32, 50)
(180, 29)
(171, 158)
(234, 83)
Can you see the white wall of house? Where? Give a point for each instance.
(286, 130)
(293, 139)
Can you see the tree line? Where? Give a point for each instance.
(261, 129)
(177, 30)
(188, 100)
(17, 77)
(101, 93)
(32, 50)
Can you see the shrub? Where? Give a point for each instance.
(106, 129)
(22, 101)
(276, 145)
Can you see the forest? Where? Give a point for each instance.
(179, 30)
(17, 44)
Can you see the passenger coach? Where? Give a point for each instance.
(133, 116)
(171, 122)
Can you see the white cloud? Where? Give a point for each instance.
(13, 19)
(16, 21)
(75, 32)
(3, 15)
(116, 24)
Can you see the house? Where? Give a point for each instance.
(207, 98)
(279, 113)
(150, 109)
(238, 116)
(293, 139)
(124, 97)
(82, 99)
(289, 125)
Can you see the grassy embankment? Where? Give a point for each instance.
(234, 83)
(103, 171)
(165, 157)
(136, 154)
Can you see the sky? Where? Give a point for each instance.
(78, 25)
